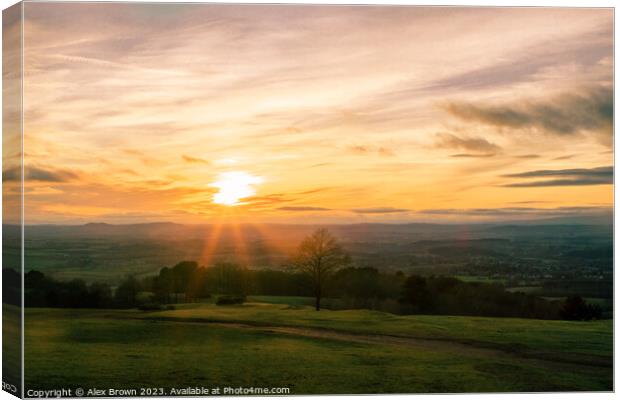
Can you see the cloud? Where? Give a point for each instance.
(319, 165)
(562, 182)
(385, 151)
(382, 151)
(270, 199)
(470, 144)
(568, 114)
(594, 172)
(521, 211)
(565, 177)
(469, 155)
(315, 190)
(359, 149)
(303, 208)
(567, 157)
(194, 160)
(12, 174)
(38, 174)
(379, 210)
(146, 159)
(528, 156)
(583, 51)
(531, 202)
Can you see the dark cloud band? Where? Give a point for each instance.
(565, 177)
(569, 114)
(38, 174)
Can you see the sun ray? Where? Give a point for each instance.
(212, 242)
(273, 242)
(240, 244)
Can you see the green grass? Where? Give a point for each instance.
(288, 300)
(594, 338)
(130, 349)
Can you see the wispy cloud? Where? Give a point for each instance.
(528, 156)
(379, 210)
(586, 50)
(565, 177)
(480, 146)
(566, 157)
(522, 211)
(194, 160)
(39, 174)
(380, 150)
(531, 202)
(568, 114)
(470, 155)
(303, 208)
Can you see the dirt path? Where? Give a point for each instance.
(317, 333)
(478, 349)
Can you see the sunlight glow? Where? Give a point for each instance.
(233, 186)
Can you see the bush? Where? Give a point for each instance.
(229, 300)
(576, 309)
(439, 295)
(151, 307)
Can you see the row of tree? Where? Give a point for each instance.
(450, 296)
(320, 269)
(349, 288)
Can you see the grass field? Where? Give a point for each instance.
(266, 344)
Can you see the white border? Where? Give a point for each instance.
(483, 3)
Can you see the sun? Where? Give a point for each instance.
(233, 186)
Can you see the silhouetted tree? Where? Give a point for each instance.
(127, 293)
(99, 295)
(417, 293)
(279, 283)
(318, 257)
(229, 278)
(364, 287)
(182, 274)
(576, 309)
(163, 285)
(450, 296)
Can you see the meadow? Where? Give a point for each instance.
(283, 342)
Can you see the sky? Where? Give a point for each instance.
(315, 114)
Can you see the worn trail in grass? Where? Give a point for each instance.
(470, 348)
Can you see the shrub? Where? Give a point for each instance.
(151, 307)
(229, 300)
(576, 309)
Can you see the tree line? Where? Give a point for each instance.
(350, 288)
(321, 269)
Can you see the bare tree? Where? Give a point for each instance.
(318, 257)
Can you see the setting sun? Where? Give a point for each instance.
(234, 186)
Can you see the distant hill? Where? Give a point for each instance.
(349, 232)
(99, 251)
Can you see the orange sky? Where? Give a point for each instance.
(138, 112)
